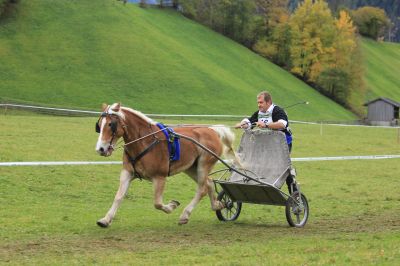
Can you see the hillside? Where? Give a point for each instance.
(382, 68)
(80, 53)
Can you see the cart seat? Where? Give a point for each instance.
(265, 156)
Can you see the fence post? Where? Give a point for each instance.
(398, 135)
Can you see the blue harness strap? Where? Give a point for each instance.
(174, 148)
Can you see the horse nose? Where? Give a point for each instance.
(101, 150)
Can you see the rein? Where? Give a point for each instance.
(177, 125)
(133, 160)
(146, 136)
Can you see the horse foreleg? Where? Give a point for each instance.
(159, 185)
(124, 182)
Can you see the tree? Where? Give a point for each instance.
(143, 3)
(3, 3)
(312, 35)
(189, 8)
(276, 45)
(324, 51)
(274, 12)
(335, 79)
(236, 19)
(371, 22)
(341, 78)
(239, 21)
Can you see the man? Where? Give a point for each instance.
(273, 117)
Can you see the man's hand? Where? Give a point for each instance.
(276, 125)
(241, 125)
(261, 124)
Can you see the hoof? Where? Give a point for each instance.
(175, 202)
(102, 223)
(220, 206)
(183, 221)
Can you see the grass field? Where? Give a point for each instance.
(382, 69)
(48, 214)
(82, 53)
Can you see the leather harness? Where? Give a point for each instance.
(134, 159)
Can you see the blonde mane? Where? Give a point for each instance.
(139, 114)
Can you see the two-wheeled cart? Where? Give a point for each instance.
(265, 158)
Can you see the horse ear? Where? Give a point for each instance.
(116, 107)
(104, 107)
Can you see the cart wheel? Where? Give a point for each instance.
(232, 209)
(297, 212)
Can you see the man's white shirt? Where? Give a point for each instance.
(265, 117)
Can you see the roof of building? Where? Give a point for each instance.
(389, 101)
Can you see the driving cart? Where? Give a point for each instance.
(266, 163)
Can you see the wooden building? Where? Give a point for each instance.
(383, 112)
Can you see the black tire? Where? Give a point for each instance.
(296, 213)
(232, 209)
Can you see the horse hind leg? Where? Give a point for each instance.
(216, 205)
(159, 185)
(125, 180)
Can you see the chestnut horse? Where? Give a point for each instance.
(146, 156)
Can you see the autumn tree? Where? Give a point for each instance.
(371, 22)
(324, 51)
(312, 35)
(335, 79)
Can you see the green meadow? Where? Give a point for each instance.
(382, 64)
(49, 213)
(79, 54)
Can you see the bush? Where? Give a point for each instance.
(371, 22)
(4, 4)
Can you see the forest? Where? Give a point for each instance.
(392, 9)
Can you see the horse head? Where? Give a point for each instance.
(110, 127)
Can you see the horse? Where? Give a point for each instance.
(146, 156)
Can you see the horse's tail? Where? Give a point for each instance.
(227, 138)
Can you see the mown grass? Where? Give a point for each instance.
(48, 214)
(24, 138)
(82, 53)
(382, 64)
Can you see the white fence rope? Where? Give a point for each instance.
(340, 158)
(6, 105)
(304, 159)
(98, 113)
